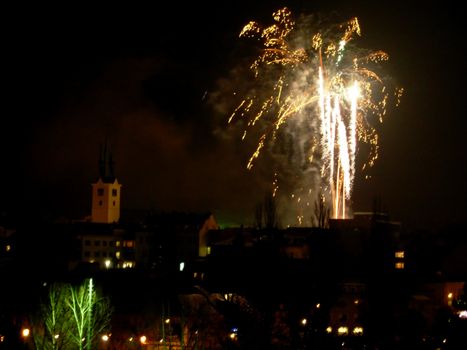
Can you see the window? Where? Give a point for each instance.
(400, 265)
(104, 254)
(100, 203)
(87, 254)
(114, 203)
(104, 243)
(114, 192)
(399, 254)
(97, 254)
(97, 243)
(87, 242)
(128, 244)
(100, 191)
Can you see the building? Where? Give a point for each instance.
(106, 191)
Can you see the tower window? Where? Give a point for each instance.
(100, 203)
(399, 254)
(114, 192)
(114, 203)
(399, 265)
(100, 191)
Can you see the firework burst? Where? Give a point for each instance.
(317, 87)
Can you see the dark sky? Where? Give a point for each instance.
(143, 75)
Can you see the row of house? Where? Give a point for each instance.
(340, 273)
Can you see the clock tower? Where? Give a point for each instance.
(106, 191)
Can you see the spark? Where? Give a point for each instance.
(329, 82)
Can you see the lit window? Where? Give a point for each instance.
(128, 264)
(208, 250)
(128, 244)
(400, 265)
(117, 244)
(329, 329)
(358, 331)
(117, 255)
(342, 331)
(100, 191)
(400, 254)
(8, 247)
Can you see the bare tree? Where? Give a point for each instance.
(53, 326)
(259, 216)
(270, 212)
(321, 217)
(72, 318)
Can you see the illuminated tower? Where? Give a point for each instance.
(106, 191)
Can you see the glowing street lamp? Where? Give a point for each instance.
(25, 332)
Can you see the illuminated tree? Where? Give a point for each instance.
(53, 326)
(72, 318)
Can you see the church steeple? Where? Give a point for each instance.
(106, 163)
(106, 191)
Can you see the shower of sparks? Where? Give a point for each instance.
(328, 82)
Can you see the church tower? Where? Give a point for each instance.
(106, 191)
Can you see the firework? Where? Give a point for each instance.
(317, 85)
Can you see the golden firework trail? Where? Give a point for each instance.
(331, 82)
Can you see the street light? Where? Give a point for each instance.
(25, 332)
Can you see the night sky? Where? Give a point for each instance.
(144, 76)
